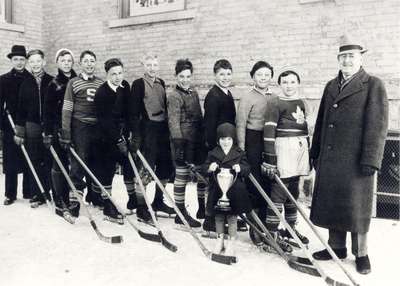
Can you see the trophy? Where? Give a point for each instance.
(225, 180)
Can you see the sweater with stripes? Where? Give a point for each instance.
(285, 117)
(79, 102)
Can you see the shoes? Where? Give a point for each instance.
(8, 202)
(111, 213)
(162, 207)
(143, 215)
(37, 201)
(363, 265)
(191, 221)
(286, 234)
(132, 202)
(341, 253)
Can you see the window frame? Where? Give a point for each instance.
(6, 21)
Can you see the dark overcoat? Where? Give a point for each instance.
(237, 194)
(10, 83)
(350, 131)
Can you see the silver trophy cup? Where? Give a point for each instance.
(225, 180)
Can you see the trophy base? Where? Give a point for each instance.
(223, 206)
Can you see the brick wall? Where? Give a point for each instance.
(28, 13)
(283, 32)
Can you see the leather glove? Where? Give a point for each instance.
(19, 140)
(179, 146)
(134, 143)
(269, 170)
(122, 147)
(47, 141)
(367, 170)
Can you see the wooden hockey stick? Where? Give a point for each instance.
(326, 278)
(214, 257)
(31, 167)
(313, 228)
(164, 241)
(102, 237)
(144, 235)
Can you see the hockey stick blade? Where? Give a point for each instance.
(221, 258)
(109, 239)
(166, 243)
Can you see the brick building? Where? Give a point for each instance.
(298, 33)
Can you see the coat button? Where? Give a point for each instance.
(329, 147)
(331, 125)
(335, 105)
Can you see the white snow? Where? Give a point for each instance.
(39, 248)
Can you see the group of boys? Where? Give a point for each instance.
(99, 120)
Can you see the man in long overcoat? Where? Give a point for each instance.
(13, 161)
(347, 150)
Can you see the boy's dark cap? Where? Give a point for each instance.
(17, 50)
(113, 62)
(226, 130)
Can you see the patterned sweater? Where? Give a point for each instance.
(285, 117)
(79, 102)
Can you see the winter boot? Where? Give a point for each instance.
(132, 203)
(281, 242)
(201, 212)
(341, 253)
(286, 234)
(219, 246)
(191, 221)
(111, 213)
(363, 265)
(143, 215)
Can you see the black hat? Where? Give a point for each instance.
(17, 50)
(226, 130)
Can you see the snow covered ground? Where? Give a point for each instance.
(39, 248)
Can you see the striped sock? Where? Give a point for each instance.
(272, 218)
(290, 213)
(181, 178)
(201, 192)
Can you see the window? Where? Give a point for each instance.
(138, 12)
(145, 7)
(6, 17)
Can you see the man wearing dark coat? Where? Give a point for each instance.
(347, 151)
(13, 161)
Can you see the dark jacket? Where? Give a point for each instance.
(137, 110)
(185, 118)
(10, 84)
(237, 194)
(13, 161)
(350, 131)
(218, 108)
(111, 111)
(30, 101)
(53, 102)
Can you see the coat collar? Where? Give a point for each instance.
(233, 154)
(354, 86)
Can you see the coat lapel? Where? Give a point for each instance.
(354, 86)
(232, 155)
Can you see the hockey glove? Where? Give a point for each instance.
(179, 146)
(19, 137)
(64, 140)
(367, 170)
(47, 141)
(269, 170)
(134, 143)
(122, 146)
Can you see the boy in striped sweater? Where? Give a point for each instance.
(286, 146)
(79, 125)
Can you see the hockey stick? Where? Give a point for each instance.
(214, 257)
(326, 278)
(194, 171)
(31, 167)
(112, 239)
(144, 235)
(297, 263)
(303, 214)
(164, 241)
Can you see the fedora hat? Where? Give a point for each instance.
(348, 43)
(17, 50)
